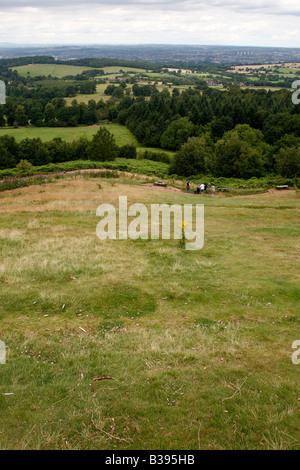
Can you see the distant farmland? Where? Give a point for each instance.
(60, 70)
(55, 70)
(99, 95)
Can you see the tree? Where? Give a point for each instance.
(103, 146)
(143, 90)
(288, 162)
(277, 125)
(49, 113)
(176, 134)
(79, 148)
(112, 113)
(9, 111)
(192, 158)
(240, 154)
(36, 115)
(109, 89)
(2, 119)
(87, 87)
(70, 91)
(20, 116)
(24, 165)
(11, 145)
(221, 125)
(118, 93)
(34, 151)
(58, 102)
(58, 150)
(6, 159)
(127, 151)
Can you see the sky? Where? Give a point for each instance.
(270, 23)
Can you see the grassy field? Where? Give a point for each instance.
(55, 70)
(119, 69)
(142, 344)
(122, 134)
(99, 95)
(60, 71)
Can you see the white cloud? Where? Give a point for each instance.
(256, 23)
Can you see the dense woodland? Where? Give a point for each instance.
(234, 132)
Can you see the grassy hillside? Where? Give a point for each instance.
(122, 134)
(85, 98)
(55, 70)
(60, 70)
(141, 344)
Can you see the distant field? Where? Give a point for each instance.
(55, 70)
(267, 88)
(286, 72)
(60, 70)
(293, 65)
(122, 135)
(253, 68)
(118, 69)
(81, 98)
(99, 95)
(283, 69)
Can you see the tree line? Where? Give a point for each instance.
(241, 153)
(234, 132)
(239, 133)
(49, 113)
(102, 147)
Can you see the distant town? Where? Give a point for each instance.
(166, 54)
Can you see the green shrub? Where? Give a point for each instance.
(127, 151)
(24, 165)
(155, 156)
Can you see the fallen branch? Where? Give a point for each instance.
(110, 435)
(237, 390)
(102, 378)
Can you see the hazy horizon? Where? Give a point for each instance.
(43, 45)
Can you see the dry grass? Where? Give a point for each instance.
(198, 344)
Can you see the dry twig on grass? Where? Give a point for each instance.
(110, 435)
(96, 379)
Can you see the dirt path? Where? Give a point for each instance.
(269, 192)
(171, 189)
(167, 189)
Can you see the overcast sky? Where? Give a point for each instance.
(218, 22)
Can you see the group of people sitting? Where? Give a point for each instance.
(203, 188)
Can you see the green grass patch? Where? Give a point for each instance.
(121, 133)
(13, 179)
(142, 344)
(55, 70)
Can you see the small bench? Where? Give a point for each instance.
(223, 189)
(160, 183)
(282, 187)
